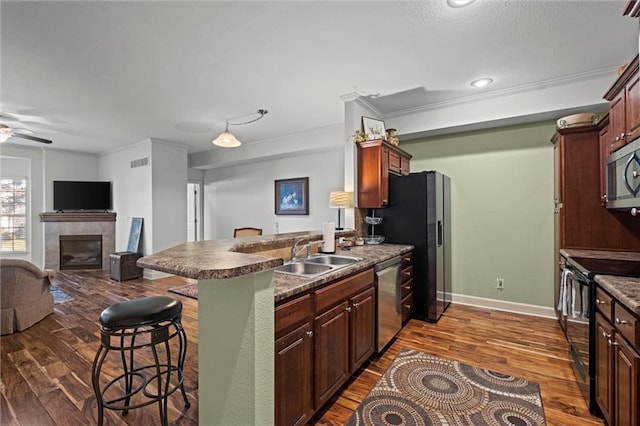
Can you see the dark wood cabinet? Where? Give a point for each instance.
(345, 331)
(376, 159)
(294, 361)
(332, 352)
(624, 107)
(581, 222)
(604, 362)
(362, 328)
(322, 337)
(294, 374)
(625, 381)
(604, 136)
(406, 290)
(617, 342)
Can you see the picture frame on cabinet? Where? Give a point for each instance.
(374, 128)
(292, 196)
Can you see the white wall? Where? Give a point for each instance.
(169, 186)
(156, 192)
(243, 195)
(67, 165)
(46, 165)
(501, 206)
(132, 192)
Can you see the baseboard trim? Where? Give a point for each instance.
(150, 274)
(502, 305)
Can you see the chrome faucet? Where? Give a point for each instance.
(295, 251)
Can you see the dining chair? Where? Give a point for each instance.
(246, 232)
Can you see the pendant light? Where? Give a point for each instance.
(226, 139)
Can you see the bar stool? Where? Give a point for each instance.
(130, 327)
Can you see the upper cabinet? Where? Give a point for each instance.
(624, 107)
(376, 159)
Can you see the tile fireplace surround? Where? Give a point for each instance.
(56, 224)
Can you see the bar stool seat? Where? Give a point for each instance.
(144, 325)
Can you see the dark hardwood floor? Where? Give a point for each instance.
(46, 370)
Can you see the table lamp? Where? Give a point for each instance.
(339, 200)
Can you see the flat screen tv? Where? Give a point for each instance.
(77, 195)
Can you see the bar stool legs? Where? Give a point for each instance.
(141, 326)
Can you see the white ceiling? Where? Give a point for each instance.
(95, 76)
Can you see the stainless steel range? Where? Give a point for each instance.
(577, 304)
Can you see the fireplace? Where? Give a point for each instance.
(80, 252)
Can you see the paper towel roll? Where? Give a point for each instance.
(328, 237)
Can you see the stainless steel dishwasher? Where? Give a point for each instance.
(389, 307)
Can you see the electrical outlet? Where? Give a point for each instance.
(500, 283)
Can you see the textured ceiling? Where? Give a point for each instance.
(95, 76)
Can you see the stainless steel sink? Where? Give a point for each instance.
(303, 268)
(316, 265)
(332, 259)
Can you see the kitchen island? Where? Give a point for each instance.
(237, 290)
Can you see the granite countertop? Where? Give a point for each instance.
(226, 258)
(287, 285)
(230, 258)
(625, 289)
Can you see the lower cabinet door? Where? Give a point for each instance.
(363, 311)
(293, 377)
(627, 363)
(331, 352)
(604, 364)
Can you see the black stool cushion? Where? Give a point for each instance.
(140, 311)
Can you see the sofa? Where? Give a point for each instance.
(25, 295)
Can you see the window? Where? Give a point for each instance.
(13, 221)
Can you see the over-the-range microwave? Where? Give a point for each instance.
(623, 177)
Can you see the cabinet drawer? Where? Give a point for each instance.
(604, 303)
(330, 295)
(406, 274)
(394, 162)
(404, 166)
(407, 306)
(627, 324)
(407, 260)
(293, 312)
(407, 287)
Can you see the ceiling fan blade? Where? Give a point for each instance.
(32, 138)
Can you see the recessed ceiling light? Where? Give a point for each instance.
(459, 3)
(482, 82)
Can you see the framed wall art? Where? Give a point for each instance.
(292, 196)
(374, 128)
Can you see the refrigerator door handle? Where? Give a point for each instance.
(439, 233)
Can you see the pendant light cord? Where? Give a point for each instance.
(262, 113)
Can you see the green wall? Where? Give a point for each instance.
(502, 208)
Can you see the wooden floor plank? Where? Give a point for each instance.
(45, 375)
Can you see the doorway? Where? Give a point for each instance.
(194, 227)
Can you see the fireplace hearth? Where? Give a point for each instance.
(80, 252)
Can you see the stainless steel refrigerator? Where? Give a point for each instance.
(419, 213)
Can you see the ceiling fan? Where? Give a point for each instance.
(7, 132)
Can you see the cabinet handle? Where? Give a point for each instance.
(556, 211)
(385, 202)
(616, 139)
(622, 135)
(348, 309)
(604, 198)
(355, 305)
(634, 211)
(614, 343)
(310, 333)
(620, 322)
(606, 336)
(635, 174)
(407, 306)
(601, 302)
